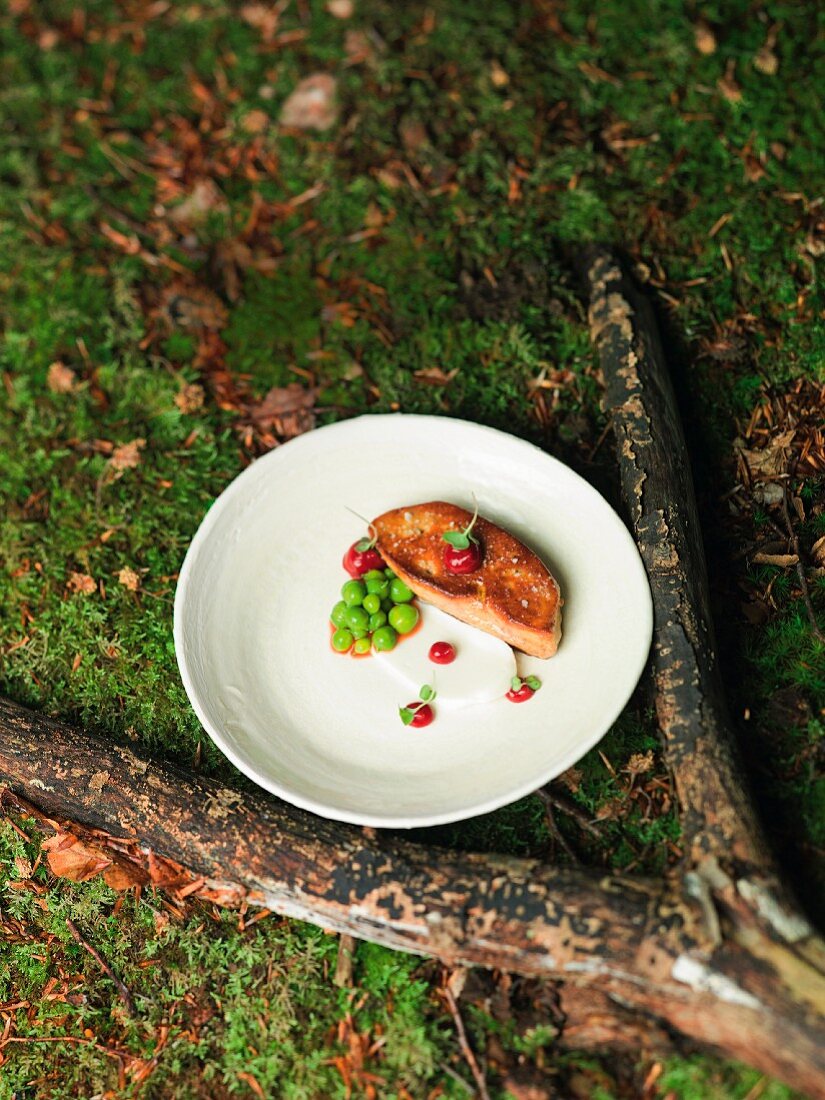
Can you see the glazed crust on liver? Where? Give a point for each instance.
(511, 595)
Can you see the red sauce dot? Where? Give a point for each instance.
(442, 653)
(521, 694)
(423, 715)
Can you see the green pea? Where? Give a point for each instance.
(399, 593)
(404, 618)
(384, 638)
(377, 620)
(362, 645)
(379, 587)
(338, 614)
(359, 632)
(372, 603)
(357, 619)
(373, 575)
(390, 574)
(353, 593)
(342, 640)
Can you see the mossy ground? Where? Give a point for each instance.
(474, 144)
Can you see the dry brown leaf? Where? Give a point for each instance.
(456, 981)
(704, 37)
(48, 38)
(770, 460)
(525, 1090)
(253, 1084)
(358, 47)
(498, 76)
(435, 376)
(285, 410)
(609, 811)
(128, 578)
(23, 866)
(185, 306)
(597, 74)
(128, 243)
(81, 582)
(311, 106)
(190, 398)
(255, 122)
(227, 894)
(374, 218)
(123, 876)
(757, 612)
(639, 763)
(818, 551)
(727, 84)
(61, 379)
(263, 17)
(413, 134)
(204, 198)
(71, 858)
(167, 873)
(766, 61)
(572, 779)
(127, 455)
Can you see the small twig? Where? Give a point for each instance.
(343, 967)
(463, 1042)
(455, 1076)
(800, 568)
(601, 439)
(552, 824)
(566, 805)
(66, 1039)
(123, 992)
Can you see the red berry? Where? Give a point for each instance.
(442, 653)
(521, 694)
(358, 562)
(423, 716)
(463, 561)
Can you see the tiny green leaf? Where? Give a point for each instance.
(426, 693)
(515, 683)
(458, 539)
(406, 715)
(533, 682)
(364, 544)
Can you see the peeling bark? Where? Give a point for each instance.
(716, 951)
(717, 816)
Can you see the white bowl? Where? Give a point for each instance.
(321, 730)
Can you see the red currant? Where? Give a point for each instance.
(358, 562)
(422, 716)
(462, 561)
(520, 694)
(442, 653)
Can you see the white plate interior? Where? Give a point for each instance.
(322, 730)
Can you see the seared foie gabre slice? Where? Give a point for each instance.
(512, 594)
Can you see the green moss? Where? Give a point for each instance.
(474, 150)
